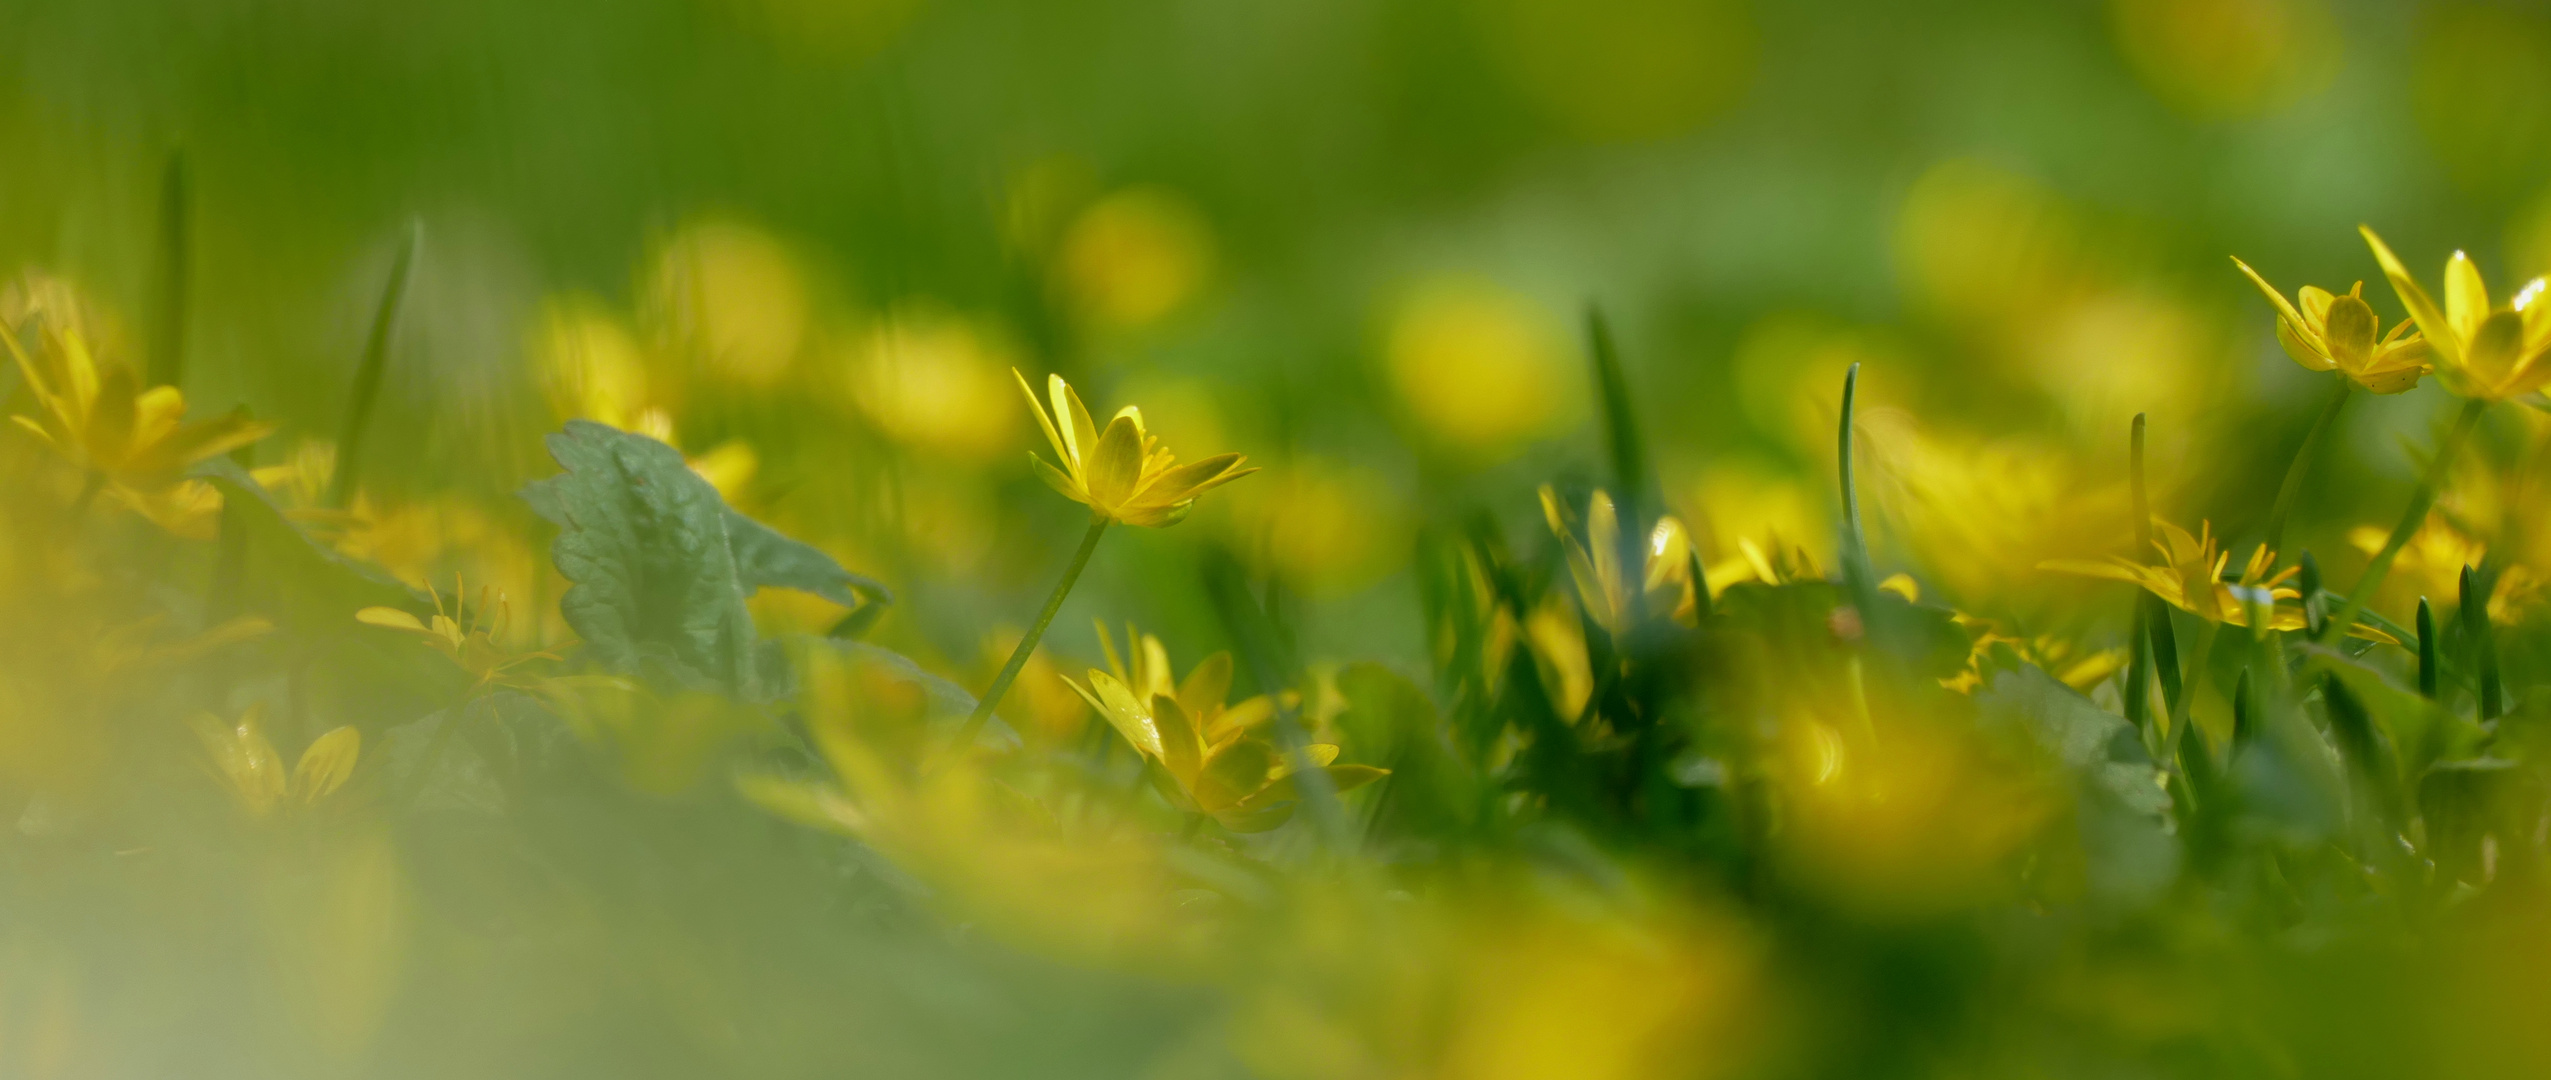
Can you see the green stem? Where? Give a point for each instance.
(2410, 519)
(1018, 657)
(2188, 690)
(2293, 485)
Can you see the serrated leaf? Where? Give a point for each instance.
(764, 559)
(661, 567)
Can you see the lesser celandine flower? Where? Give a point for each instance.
(2190, 577)
(248, 765)
(1123, 473)
(136, 440)
(2325, 331)
(470, 634)
(1664, 577)
(2483, 352)
(1214, 759)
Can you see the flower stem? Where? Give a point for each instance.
(2410, 519)
(2293, 485)
(1018, 657)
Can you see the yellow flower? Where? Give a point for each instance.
(2190, 577)
(248, 764)
(2332, 332)
(2482, 352)
(1214, 757)
(1122, 474)
(134, 439)
(1594, 561)
(467, 633)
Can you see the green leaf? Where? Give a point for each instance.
(2129, 856)
(287, 575)
(661, 566)
(2098, 745)
(764, 559)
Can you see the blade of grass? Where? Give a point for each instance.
(367, 377)
(2481, 660)
(166, 365)
(2426, 650)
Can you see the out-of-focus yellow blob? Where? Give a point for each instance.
(1481, 369)
(1557, 637)
(1978, 243)
(931, 380)
(1133, 257)
(2431, 566)
(1042, 706)
(1326, 526)
(590, 365)
(734, 300)
(1971, 511)
(2119, 352)
(1903, 820)
(1502, 982)
(1749, 512)
(949, 521)
(2228, 58)
(1789, 368)
(1623, 69)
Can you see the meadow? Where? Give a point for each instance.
(1576, 552)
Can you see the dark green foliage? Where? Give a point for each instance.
(662, 567)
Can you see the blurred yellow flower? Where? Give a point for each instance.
(2432, 563)
(590, 365)
(2190, 577)
(1594, 562)
(2483, 352)
(1325, 526)
(135, 442)
(472, 635)
(1902, 820)
(734, 300)
(931, 379)
(1479, 368)
(1215, 759)
(2228, 58)
(1045, 709)
(1557, 638)
(248, 765)
(1752, 520)
(1133, 257)
(2331, 332)
(1124, 474)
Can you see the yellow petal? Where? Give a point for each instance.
(326, 764)
(1110, 473)
(2288, 320)
(1182, 747)
(1241, 769)
(1127, 714)
(1061, 452)
(1080, 436)
(2490, 360)
(2349, 332)
(1206, 687)
(1057, 479)
(390, 618)
(2466, 299)
(1347, 778)
(2422, 308)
